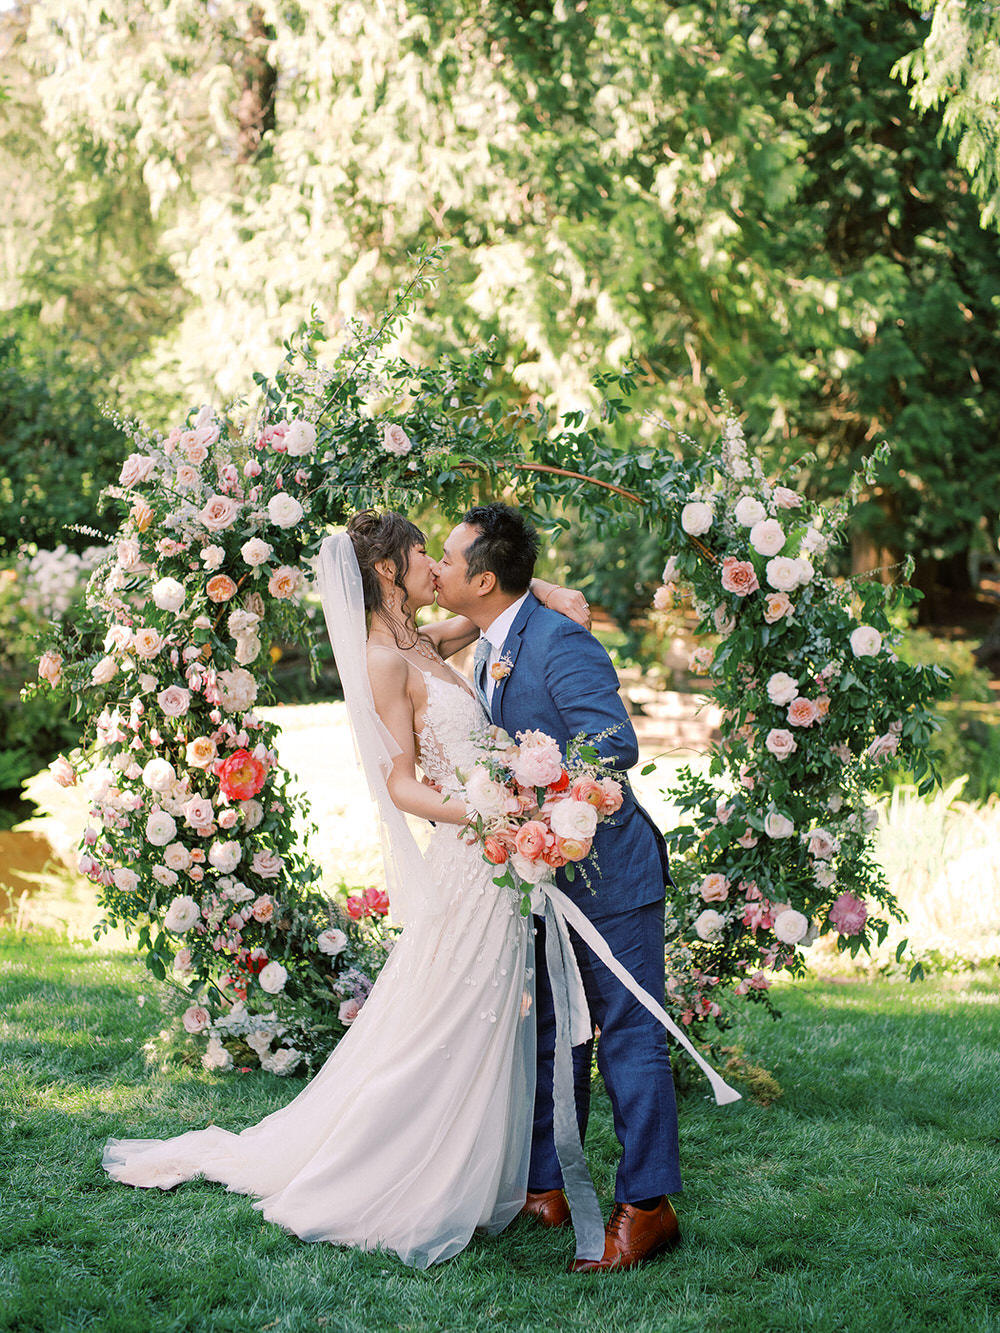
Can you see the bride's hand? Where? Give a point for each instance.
(570, 603)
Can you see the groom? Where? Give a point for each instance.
(537, 669)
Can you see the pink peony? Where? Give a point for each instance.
(538, 761)
(848, 914)
(739, 576)
(613, 796)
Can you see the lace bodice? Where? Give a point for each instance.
(447, 739)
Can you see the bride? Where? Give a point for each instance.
(417, 1129)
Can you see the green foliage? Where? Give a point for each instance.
(57, 450)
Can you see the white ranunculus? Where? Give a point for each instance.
(247, 649)
(782, 688)
(176, 856)
(865, 641)
(168, 594)
(158, 775)
(126, 879)
(225, 856)
(532, 872)
(256, 551)
(749, 511)
(767, 537)
(573, 819)
(181, 915)
(300, 438)
(782, 573)
(332, 941)
(160, 828)
(777, 825)
(281, 1061)
(696, 518)
(804, 571)
(710, 925)
(216, 1056)
(790, 926)
(284, 510)
(272, 978)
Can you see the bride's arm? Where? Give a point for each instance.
(457, 632)
(388, 675)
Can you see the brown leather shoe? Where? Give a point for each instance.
(549, 1207)
(632, 1237)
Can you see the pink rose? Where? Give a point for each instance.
(194, 449)
(198, 812)
(196, 1018)
(663, 598)
(285, 582)
(135, 469)
(263, 908)
(147, 642)
(739, 576)
(778, 604)
(785, 498)
(355, 907)
(822, 844)
(219, 512)
(267, 864)
(714, 888)
(848, 914)
(613, 796)
(780, 742)
(63, 772)
(220, 588)
(883, 748)
(187, 476)
(174, 701)
(530, 839)
(349, 1011)
(228, 819)
(50, 667)
(802, 712)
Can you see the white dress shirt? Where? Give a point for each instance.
(496, 632)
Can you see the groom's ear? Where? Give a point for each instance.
(487, 581)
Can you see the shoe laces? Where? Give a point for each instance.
(617, 1218)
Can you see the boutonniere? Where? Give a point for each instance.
(501, 669)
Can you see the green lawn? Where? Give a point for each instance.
(865, 1198)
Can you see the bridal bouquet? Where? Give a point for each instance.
(535, 811)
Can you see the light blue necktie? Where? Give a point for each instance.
(479, 669)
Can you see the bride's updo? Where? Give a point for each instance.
(385, 536)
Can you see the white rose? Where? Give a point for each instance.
(247, 649)
(256, 551)
(160, 828)
(281, 1061)
(300, 438)
(105, 671)
(778, 826)
(782, 688)
(272, 978)
(696, 518)
(865, 641)
(790, 926)
(216, 1057)
(573, 819)
(767, 537)
(159, 775)
(532, 872)
(181, 915)
(284, 510)
(822, 844)
(168, 594)
(749, 511)
(709, 926)
(176, 856)
(331, 941)
(126, 879)
(252, 812)
(780, 742)
(803, 570)
(238, 690)
(782, 573)
(212, 557)
(395, 440)
(225, 856)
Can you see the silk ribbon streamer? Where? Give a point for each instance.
(573, 1026)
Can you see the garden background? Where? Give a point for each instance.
(792, 204)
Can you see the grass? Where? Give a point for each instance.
(864, 1198)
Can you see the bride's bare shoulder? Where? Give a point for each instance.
(387, 667)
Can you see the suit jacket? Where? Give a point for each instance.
(562, 682)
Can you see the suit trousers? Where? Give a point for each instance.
(631, 1056)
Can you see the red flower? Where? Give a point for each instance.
(355, 906)
(377, 901)
(240, 775)
(560, 784)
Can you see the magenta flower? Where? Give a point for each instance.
(848, 914)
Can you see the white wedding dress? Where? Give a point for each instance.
(417, 1130)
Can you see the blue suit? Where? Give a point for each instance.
(562, 682)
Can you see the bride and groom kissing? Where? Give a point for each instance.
(449, 1067)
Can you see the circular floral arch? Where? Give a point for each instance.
(191, 830)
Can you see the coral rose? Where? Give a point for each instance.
(241, 775)
(355, 907)
(739, 576)
(220, 588)
(494, 850)
(802, 712)
(777, 605)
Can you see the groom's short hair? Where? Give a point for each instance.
(507, 546)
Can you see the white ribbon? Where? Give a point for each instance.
(574, 1026)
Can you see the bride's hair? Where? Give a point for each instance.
(384, 536)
